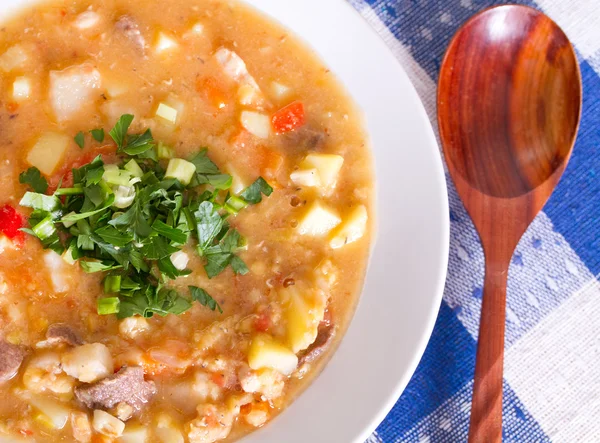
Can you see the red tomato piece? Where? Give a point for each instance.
(10, 223)
(262, 323)
(289, 118)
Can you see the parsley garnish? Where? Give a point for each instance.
(33, 178)
(127, 219)
(80, 139)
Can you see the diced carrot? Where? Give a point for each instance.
(254, 158)
(218, 379)
(213, 91)
(262, 322)
(289, 118)
(12, 107)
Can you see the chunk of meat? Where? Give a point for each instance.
(131, 30)
(324, 338)
(61, 334)
(127, 386)
(73, 89)
(57, 269)
(234, 67)
(306, 138)
(11, 357)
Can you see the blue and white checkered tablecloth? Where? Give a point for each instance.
(552, 363)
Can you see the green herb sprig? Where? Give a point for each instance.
(127, 220)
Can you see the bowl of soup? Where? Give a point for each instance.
(191, 197)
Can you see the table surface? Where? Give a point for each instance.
(552, 375)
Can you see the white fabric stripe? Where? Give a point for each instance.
(555, 369)
(579, 20)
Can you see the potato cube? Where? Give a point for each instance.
(352, 228)
(256, 123)
(164, 43)
(306, 177)
(265, 352)
(166, 112)
(279, 91)
(14, 57)
(21, 89)
(106, 424)
(327, 165)
(303, 311)
(318, 221)
(88, 363)
(48, 151)
(134, 433)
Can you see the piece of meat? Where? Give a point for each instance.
(306, 138)
(73, 89)
(131, 30)
(325, 336)
(61, 333)
(11, 357)
(127, 386)
(235, 68)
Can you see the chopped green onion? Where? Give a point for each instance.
(112, 284)
(235, 204)
(133, 168)
(164, 152)
(45, 228)
(75, 190)
(180, 169)
(108, 305)
(115, 176)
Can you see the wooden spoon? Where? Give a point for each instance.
(509, 104)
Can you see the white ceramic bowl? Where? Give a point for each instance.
(407, 270)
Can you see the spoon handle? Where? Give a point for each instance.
(486, 408)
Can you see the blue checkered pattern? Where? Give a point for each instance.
(552, 368)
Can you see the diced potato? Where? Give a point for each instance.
(56, 412)
(237, 182)
(167, 431)
(88, 363)
(106, 424)
(164, 43)
(21, 88)
(318, 220)
(82, 429)
(353, 228)
(234, 67)
(256, 123)
(258, 414)
(279, 91)
(131, 327)
(304, 309)
(48, 151)
(265, 352)
(74, 89)
(167, 112)
(180, 260)
(14, 57)
(86, 20)
(134, 433)
(327, 165)
(306, 177)
(180, 169)
(115, 88)
(248, 95)
(58, 276)
(197, 28)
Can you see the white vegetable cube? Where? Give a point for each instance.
(86, 20)
(106, 424)
(256, 123)
(134, 433)
(21, 88)
(197, 28)
(306, 177)
(56, 412)
(181, 169)
(249, 95)
(279, 91)
(353, 228)
(265, 352)
(164, 43)
(303, 311)
(180, 260)
(318, 220)
(237, 182)
(166, 112)
(166, 430)
(74, 89)
(48, 151)
(327, 165)
(88, 363)
(14, 57)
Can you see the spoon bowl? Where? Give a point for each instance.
(509, 105)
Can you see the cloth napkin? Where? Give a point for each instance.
(552, 361)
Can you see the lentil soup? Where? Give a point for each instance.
(185, 220)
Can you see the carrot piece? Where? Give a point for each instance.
(213, 91)
(289, 118)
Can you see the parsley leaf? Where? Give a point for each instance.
(202, 297)
(33, 178)
(98, 134)
(209, 224)
(80, 139)
(238, 266)
(172, 234)
(133, 220)
(113, 236)
(119, 132)
(253, 193)
(139, 143)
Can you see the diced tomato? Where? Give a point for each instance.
(64, 176)
(289, 118)
(10, 223)
(262, 322)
